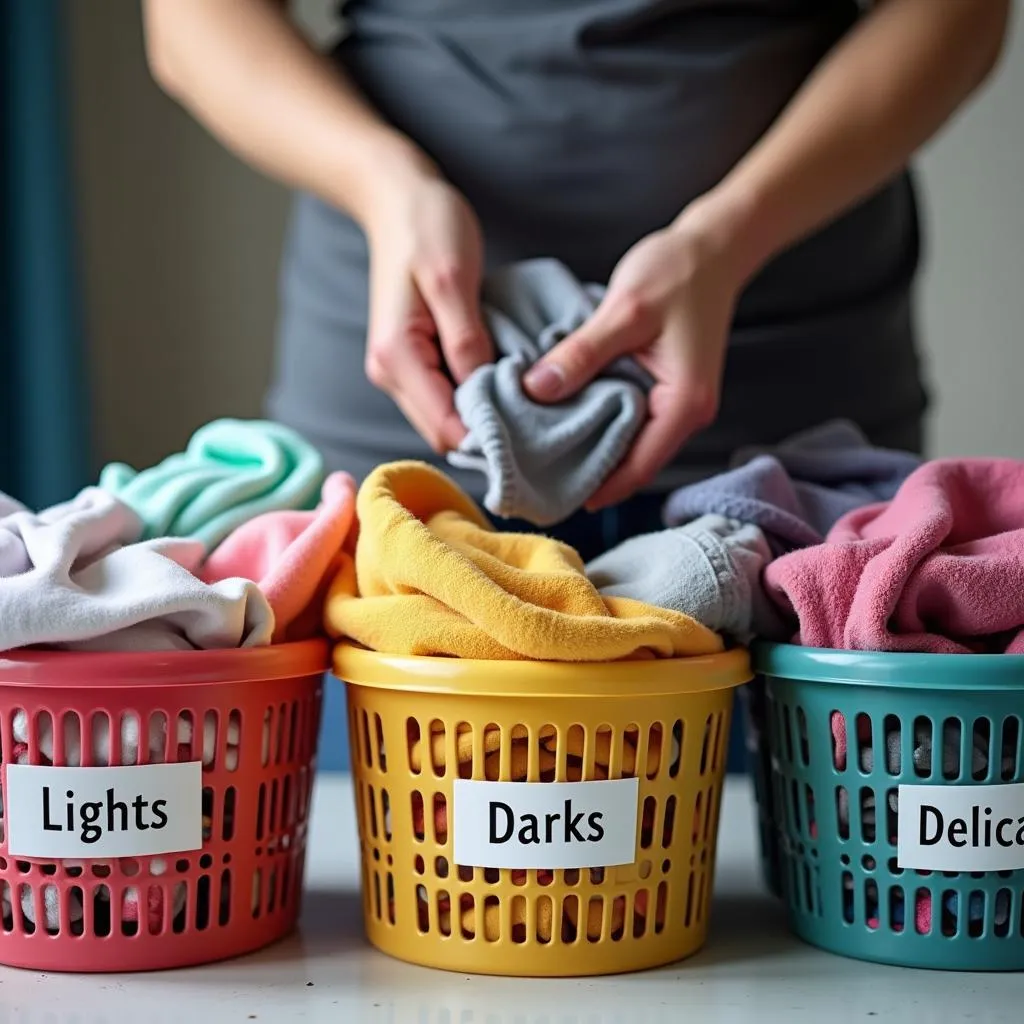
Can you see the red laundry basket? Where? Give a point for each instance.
(240, 725)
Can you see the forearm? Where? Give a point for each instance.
(243, 70)
(883, 92)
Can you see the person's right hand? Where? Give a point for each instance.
(426, 261)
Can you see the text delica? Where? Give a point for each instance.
(982, 830)
(545, 824)
(136, 810)
(961, 828)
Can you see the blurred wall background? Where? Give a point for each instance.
(180, 247)
(44, 441)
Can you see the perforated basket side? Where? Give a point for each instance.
(420, 906)
(837, 820)
(257, 746)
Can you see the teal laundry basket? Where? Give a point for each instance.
(952, 895)
(751, 704)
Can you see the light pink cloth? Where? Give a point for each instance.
(938, 569)
(838, 724)
(291, 556)
(922, 915)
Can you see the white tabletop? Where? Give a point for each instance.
(751, 969)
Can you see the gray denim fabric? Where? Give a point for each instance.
(709, 569)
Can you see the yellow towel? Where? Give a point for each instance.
(433, 577)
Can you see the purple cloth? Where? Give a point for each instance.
(798, 490)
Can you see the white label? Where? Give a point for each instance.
(83, 813)
(961, 828)
(545, 824)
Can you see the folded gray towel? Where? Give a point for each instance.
(709, 569)
(542, 462)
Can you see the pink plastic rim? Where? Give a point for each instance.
(178, 668)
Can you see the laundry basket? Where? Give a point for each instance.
(899, 810)
(752, 702)
(524, 818)
(154, 805)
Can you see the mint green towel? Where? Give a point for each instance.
(231, 471)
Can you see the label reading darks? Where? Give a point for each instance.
(545, 824)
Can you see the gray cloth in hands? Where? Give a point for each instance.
(543, 462)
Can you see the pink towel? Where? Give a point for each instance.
(291, 556)
(922, 915)
(938, 569)
(838, 723)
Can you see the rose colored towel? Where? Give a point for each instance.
(292, 556)
(938, 569)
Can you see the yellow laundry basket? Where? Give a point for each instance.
(542, 879)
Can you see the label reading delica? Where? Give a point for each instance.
(140, 810)
(961, 828)
(545, 824)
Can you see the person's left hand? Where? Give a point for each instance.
(669, 304)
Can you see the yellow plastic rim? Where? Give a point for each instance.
(668, 676)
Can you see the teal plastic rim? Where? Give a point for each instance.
(887, 669)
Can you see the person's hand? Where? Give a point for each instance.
(426, 257)
(669, 304)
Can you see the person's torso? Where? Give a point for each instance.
(574, 128)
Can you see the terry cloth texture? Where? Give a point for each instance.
(543, 462)
(431, 576)
(797, 491)
(292, 556)
(939, 569)
(231, 471)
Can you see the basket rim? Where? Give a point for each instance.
(89, 670)
(358, 666)
(894, 670)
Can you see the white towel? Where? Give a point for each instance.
(74, 577)
(130, 909)
(101, 756)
